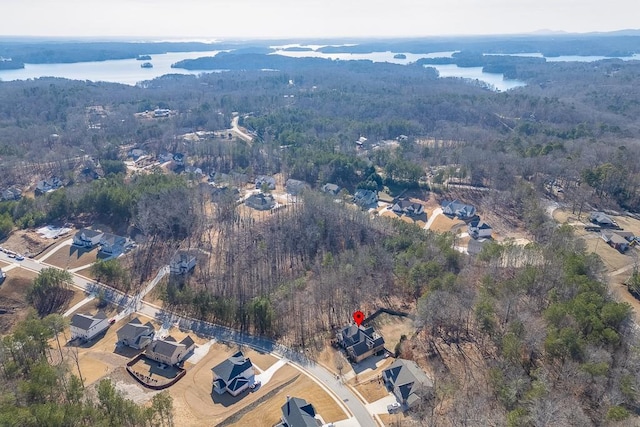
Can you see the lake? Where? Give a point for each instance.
(126, 71)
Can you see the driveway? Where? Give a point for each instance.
(380, 406)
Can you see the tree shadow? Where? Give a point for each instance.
(226, 399)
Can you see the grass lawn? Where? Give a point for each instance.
(72, 257)
(372, 390)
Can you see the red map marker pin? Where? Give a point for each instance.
(358, 317)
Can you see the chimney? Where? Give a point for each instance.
(288, 397)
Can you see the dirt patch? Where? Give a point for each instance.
(392, 328)
(13, 304)
(612, 259)
(72, 257)
(332, 358)
(396, 420)
(443, 224)
(27, 242)
(372, 390)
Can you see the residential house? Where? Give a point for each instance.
(183, 262)
(615, 241)
(406, 207)
(12, 193)
(234, 375)
(87, 238)
(86, 326)
(361, 141)
(165, 157)
(458, 209)
(111, 244)
(267, 182)
(332, 189)
(294, 186)
(407, 381)
(360, 342)
(260, 201)
(136, 335)
(479, 229)
(161, 112)
(602, 219)
(297, 412)
(48, 185)
(178, 158)
(136, 153)
(194, 170)
(169, 351)
(365, 198)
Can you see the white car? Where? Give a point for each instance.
(19, 257)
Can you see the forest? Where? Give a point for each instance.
(518, 336)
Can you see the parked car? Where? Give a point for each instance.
(11, 255)
(393, 408)
(19, 257)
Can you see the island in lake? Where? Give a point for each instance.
(400, 56)
(143, 58)
(146, 65)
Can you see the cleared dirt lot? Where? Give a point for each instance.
(72, 257)
(372, 389)
(13, 303)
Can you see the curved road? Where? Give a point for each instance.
(221, 333)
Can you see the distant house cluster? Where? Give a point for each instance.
(11, 193)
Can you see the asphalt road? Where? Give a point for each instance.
(132, 304)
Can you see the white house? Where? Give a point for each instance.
(183, 262)
(86, 326)
(169, 351)
(479, 230)
(87, 238)
(234, 375)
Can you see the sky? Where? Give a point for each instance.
(251, 19)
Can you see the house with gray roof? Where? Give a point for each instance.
(359, 342)
(265, 181)
(136, 335)
(479, 229)
(455, 208)
(408, 382)
(365, 198)
(12, 193)
(407, 207)
(294, 186)
(616, 241)
(112, 244)
(234, 375)
(87, 238)
(603, 220)
(47, 185)
(332, 189)
(87, 326)
(169, 351)
(260, 201)
(297, 412)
